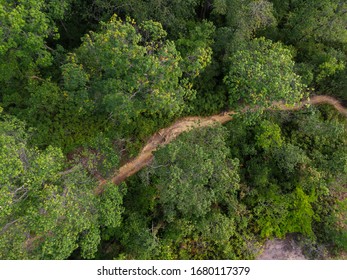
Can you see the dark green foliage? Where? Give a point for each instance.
(188, 199)
(181, 167)
(292, 167)
(89, 87)
(316, 30)
(173, 15)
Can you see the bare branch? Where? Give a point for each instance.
(8, 225)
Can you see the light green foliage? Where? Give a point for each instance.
(329, 68)
(10, 167)
(46, 212)
(110, 205)
(263, 73)
(23, 30)
(270, 210)
(25, 27)
(196, 48)
(129, 70)
(301, 214)
(268, 135)
(277, 214)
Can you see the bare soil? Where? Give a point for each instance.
(281, 249)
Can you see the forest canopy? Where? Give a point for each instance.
(86, 86)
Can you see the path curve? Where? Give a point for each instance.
(166, 135)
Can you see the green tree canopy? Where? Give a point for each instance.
(25, 27)
(196, 214)
(48, 212)
(193, 173)
(127, 70)
(317, 30)
(263, 73)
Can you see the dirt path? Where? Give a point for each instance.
(166, 135)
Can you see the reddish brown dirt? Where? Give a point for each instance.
(166, 135)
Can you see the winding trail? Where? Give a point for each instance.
(166, 135)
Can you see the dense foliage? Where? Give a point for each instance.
(84, 84)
